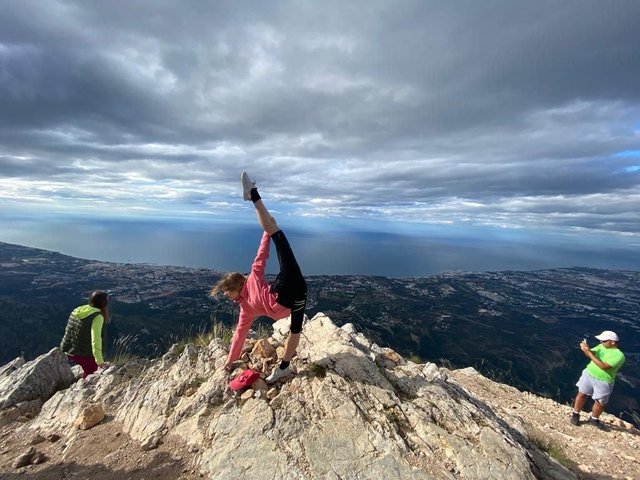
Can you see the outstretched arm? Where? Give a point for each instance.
(239, 337)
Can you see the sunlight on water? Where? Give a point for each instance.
(232, 246)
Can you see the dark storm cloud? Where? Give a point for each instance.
(426, 111)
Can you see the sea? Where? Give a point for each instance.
(322, 247)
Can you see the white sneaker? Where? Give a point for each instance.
(278, 374)
(247, 185)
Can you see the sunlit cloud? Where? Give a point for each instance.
(413, 112)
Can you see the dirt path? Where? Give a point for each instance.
(589, 453)
(103, 452)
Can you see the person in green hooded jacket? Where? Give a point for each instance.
(83, 336)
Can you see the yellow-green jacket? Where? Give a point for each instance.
(84, 332)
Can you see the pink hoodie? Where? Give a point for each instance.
(255, 300)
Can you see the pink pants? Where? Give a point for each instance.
(88, 364)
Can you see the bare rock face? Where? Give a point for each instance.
(38, 379)
(353, 410)
(59, 413)
(9, 415)
(27, 410)
(14, 364)
(281, 330)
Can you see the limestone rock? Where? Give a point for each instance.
(25, 458)
(388, 358)
(151, 443)
(153, 401)
(14, 364)
(37, 439)
(38, 458)
(260, 385)
(30, 408)
(77, 372)
(9, 415)
(64, 407)
(354, 410)
(191, 352)
(37, 379)
(272, 393)
(361, 420)
(174, 351)
(263, 349)
(90, 417)
(281, 330)
(349, 328)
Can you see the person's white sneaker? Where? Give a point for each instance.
(278, 374)
(247, 185)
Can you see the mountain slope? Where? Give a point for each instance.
(521, 328)
(352, 411)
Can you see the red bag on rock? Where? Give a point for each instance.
(244, 380)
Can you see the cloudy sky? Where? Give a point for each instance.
(505, 115)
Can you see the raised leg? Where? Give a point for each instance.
(250, 192)
(267, 222)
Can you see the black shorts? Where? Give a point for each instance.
(289, 284)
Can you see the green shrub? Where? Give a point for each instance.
(317, 370)
(263, 331)
(203, 338)
(220, 331)
(415, 359)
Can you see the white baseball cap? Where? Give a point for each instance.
(607, 335)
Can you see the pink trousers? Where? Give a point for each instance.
(88, 364)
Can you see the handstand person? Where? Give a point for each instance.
(287, 295)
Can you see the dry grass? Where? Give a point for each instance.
(548, 446)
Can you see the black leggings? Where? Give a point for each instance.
(289, 284)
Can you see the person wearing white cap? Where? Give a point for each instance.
(598, 377)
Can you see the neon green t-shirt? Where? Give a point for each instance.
(611, 356)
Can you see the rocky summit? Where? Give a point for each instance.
(352, 410)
